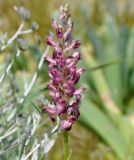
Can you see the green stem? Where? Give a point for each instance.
(65, 149)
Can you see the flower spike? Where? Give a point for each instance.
(63, 72)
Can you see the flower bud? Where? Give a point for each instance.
(22, 44)
(50, 60)
(23, 12)
(51, 42)
(74, 45)
(58, 28)
(34, 26)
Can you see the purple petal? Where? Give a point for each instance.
(79, 91)
(55, 96)
(59, 32)
(49, 59)
(58, 49)
(71, 64)
(61, 109)
(70, 72)
(52, 87)
(57, 54)
(78, 74)
(51, 112)
(69, 88)
(61, 62)
(55, 75)
(66, 125)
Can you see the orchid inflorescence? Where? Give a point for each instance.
(64, 73)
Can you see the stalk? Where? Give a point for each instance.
(65, 146)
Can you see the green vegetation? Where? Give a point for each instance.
(106, 127)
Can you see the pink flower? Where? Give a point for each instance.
(63, 73)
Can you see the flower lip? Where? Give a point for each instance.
(66, 125)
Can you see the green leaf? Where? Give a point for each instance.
(94, 118)
(101, 66)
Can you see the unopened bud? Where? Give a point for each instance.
(23, 12)
(34, 26)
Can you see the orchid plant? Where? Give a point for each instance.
(64, 75)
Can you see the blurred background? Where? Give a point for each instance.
(105, 130)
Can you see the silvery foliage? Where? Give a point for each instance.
(18, 129)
